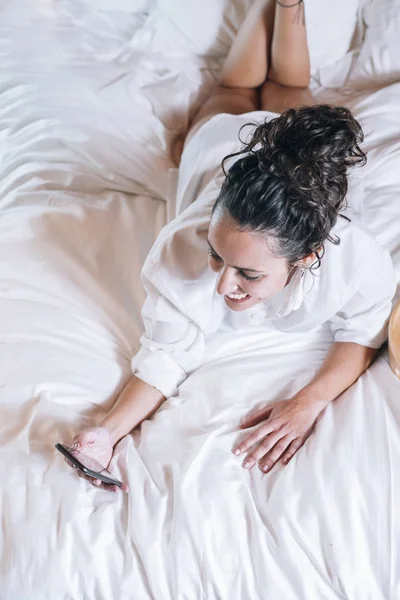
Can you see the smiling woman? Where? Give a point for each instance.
(260, 274)
(280, 200)
(268, 238)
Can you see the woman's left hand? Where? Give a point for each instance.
(286, 426)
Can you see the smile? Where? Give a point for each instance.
(237, 298)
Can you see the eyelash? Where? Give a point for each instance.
(216, 257)
(250, 278)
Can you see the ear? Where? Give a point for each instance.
(308, 260)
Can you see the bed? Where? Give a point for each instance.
(95, 98)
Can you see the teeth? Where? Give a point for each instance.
(237, 296)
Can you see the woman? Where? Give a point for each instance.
(280, 251)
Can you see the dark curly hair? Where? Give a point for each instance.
(290, 179)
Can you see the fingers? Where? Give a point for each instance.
(95, 482)
(125, 488)
(259, 434)
(274, 454)
(280, 436)
(292, 449)
(255, 418)
(273, 448)
(91, 480)
(262, 449)
(104, 486)
(86, 438)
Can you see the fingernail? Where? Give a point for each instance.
(76, 445)
(248, 463)
(265, 468)
(237, 451)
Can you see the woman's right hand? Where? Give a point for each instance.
(95, 442)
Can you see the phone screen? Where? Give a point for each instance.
(88, 465)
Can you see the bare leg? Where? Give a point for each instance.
(248, 61)
(271, 43)
(245, 68)
(290, 61)
(289, 73)
(234, 101)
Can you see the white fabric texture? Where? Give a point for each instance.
(332, 27)
(352, 290)
(90, 111)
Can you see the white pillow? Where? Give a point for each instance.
(378, 61)
(331, 29)
(197, 27)
(207, 27)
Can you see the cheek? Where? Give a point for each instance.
(266, 288)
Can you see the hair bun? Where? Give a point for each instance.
(290, 178)
(312, 147)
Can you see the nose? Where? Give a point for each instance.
(226, 281)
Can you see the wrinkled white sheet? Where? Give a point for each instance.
(88, 120)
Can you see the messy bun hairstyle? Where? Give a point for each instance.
(290, 179)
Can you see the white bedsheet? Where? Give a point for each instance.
(89, 114)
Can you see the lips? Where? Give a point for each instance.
(236, 298)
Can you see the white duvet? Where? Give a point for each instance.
(93, 100)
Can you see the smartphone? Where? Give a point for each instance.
(87, 465)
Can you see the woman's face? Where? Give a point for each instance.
(248, 271)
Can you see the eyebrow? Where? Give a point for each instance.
(238, 268)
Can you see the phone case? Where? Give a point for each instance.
(103, 475)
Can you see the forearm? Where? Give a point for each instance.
(137, 402)
(342, 367)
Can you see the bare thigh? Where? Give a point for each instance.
(234, 101)
(279, 98)
(271, 97)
